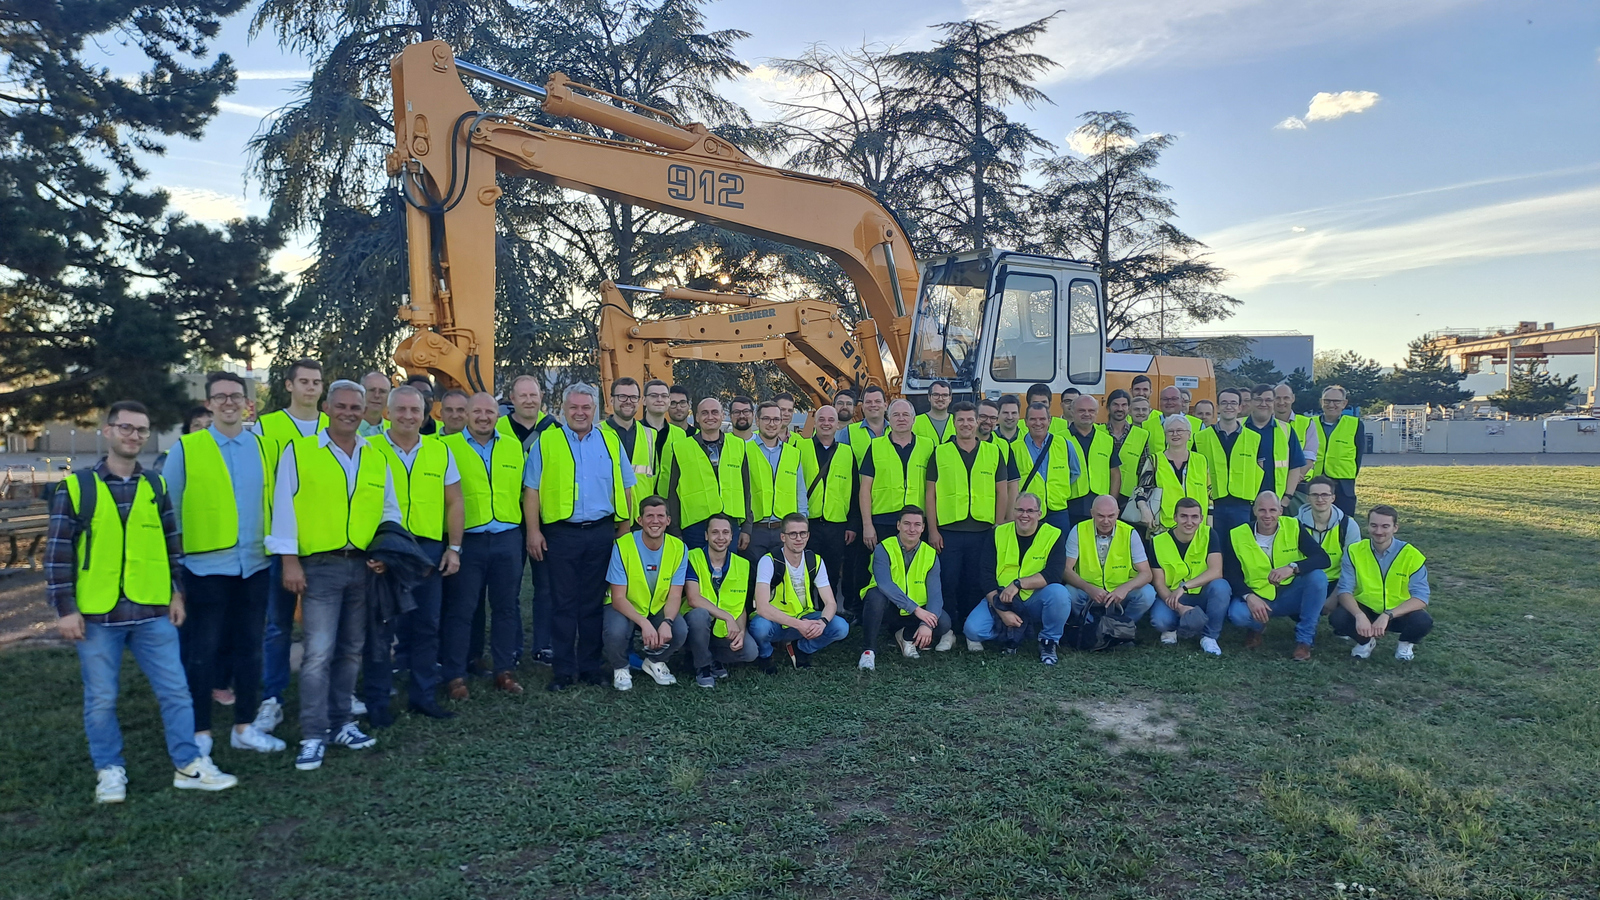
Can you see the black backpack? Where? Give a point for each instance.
(1094, 630)
(89, 498)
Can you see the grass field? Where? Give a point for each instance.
(1472, 772)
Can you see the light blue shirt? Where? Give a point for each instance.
(1026, 465)
(772, 455)
(591, 460)
(242, 456)
(486, 452)
(616, 573)
(1347, 572)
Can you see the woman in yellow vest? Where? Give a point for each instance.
(905, 594)
(1178, 472)
(717, 585)
(646, 576)
(1383, 587)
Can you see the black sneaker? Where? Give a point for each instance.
(704, 678)
(1010, 648)
(559, 684)
(544, 658)
(1047, 652)
(718, 670)
(768, 665)
(802, 659)
(598, 679)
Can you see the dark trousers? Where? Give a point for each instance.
(966, 570)
(827, 542)
(1344, 495)
(1229, 513)
(1411, 627)
(422, 636)
(857, 559)
(221, 639)
(480, 621)
(491, 562)
(1061, 519)
(695, 536)
(379, 665)
(763, 540)
(879, 612)
(543, 605)
(577, 558)
(279, 633)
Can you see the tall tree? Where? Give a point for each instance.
(103, 289)
(1361, 377)
(971, 186)
(1534, 391)
(1426, 378)
(1106, 205)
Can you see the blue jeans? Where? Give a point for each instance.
(1301, 600)
(280, 631)
(421, 627)
(334, 621)
(1212, 600)
(768, 633)
(154, 643)
(1133, 609)
(1046, 609)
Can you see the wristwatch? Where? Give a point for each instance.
(456, 547)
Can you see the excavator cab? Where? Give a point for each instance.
(993, 322)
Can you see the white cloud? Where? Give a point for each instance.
(241, 109)
(1293, 123)
(206, 205)
(1085, 140)
(274, 74)
(291, 261)
(1092, 37)
(1326, 106)
(1298, 229)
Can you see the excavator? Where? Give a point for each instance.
(986, 322)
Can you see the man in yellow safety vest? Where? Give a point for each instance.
(968, 482)
(1343, 441)
(717, 586)
(1275, 568)
(1029, 585)
(905, 594)
(1383, 587)
(646, 576)
(794, 601)
(1108, 571)
(1188, 578)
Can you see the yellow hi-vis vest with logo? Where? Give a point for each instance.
(896, 486)
(419, 490)
(1195, 485)
(117, 559)
(642, 456)
(1131, 453)
(773, 493)
(503, 427)
(1376, 591)
(1054, 485)
(210, 511)
(1299, 424)
(322, 522)
(1183, 566)
(1094, 469)
(860, 439)
(1238, 474)
(828, 493)
(558, 480)
(1333, 542)
(922, 426)
(963, 494)
(278, 429)
(1256, 566)
(490, 497)
(912, 580)
(783, 594)
(1008, 567)
(648, 601)
(1336, 449)
(1118, 567)
(702, 491)
(734, 595)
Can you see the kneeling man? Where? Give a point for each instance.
(1029, 585)
(1107, 567)
(1188, 579)
(793, 599)
(1383, 587)
(646, 577)
(718, 587)
(1275, 568)
(905, 593)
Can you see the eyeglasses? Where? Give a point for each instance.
(656, 395)
(1027, 512)
(1321, 494)
(796, 534)
(615, 396)
(124, 429)
(235, 397)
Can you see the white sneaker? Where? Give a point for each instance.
(111, 785)
(357, 708)
(202, 775)
(869, 661)
(252, 738)
(1364, 651)
(974, 646)
(658, 670)
(622, 679)
(1169, 637)
(1405, 651)
(268, 715)
(908, 649)
(1210, 646)
(946, 642)
(203, 743)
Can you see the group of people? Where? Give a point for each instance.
(655, 526)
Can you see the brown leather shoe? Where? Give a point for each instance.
(505, 682)
(1252, 640)
(1302, 652)
(457, 688)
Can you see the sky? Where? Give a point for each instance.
(1367, 170)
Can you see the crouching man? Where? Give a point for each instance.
(1275, 568)
(1107, 568)
(1029, 585)
(1383, 587)
(905, 594)
(1188, 579)
(793, 600)
(646, 576)
(718, 587)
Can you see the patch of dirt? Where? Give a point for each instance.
(26, 618)
(1134, 724)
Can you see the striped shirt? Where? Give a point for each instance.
(61, 550)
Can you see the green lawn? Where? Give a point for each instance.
(1469, 773)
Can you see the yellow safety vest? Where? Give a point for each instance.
(783, 595)
(644, 473)
(1239, 474)
(774, 494)
(496, 497)
(963, 494)
(503, 427)
(1094, 468)
(558, 479)
(420, 489)
(1195, 485)
(702, 491)
(896, 486)
(860, 439)
(735, 593)
(1008, 567)
(1055, 484)
(1299, 424)
(912, 581)
(1336, 449)
(1192, 563)
(1254, 563)
(116, 561)
(278, 429)
(210, 512)
(1333, 542)
(1379, 592)
(1118, 567)
(1131, 453)
(648, 601)
(922, 426)
(322, 522)
(828, 493)
(1155, 427)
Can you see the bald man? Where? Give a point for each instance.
(707, 473)
(893, 473)
(1275, 569)
(1108, 572)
